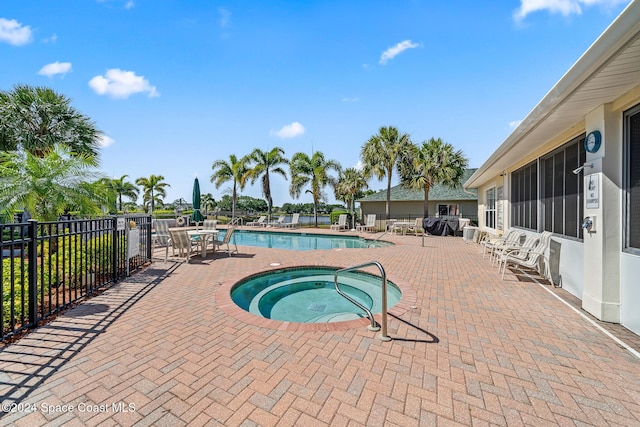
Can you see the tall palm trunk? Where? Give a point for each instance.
(388, 206)
(233, 205)
(353, 212)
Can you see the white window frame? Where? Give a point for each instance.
(490, 208)
(500, 207)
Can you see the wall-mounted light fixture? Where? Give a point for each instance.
(578, 170)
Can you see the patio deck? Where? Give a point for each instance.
(165, 348)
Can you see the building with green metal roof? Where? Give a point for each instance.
(407, 203)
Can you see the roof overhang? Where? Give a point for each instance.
(607, 70)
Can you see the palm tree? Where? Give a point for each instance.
(36, 119)
(120, 188)
(350, 186)
(50, 185)
(234, 170)
(153, 190)
(208, 203)
(433, 162)
(267, 163)
(380, 155)
(314, 171)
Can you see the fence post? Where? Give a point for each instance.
(148, 240)
(114, 248)
(32, 256)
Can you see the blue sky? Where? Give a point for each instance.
(176, 85)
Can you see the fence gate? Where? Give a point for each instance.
(47, 266)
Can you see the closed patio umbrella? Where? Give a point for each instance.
(196, 216)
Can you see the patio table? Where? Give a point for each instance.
(204, 235)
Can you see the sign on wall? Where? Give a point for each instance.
(593, 191)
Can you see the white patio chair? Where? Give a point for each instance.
(417, 227)
(294, 221)
(210, 224)
(183, 244)
(226, 241)
(341, 224)
(277, 223)
(161, 235)
(369, 225)
(530, 241)
(260, 221)
(529, 257)
(513, 238)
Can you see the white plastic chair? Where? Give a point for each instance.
(369, 225)
(259, 221)
(294, 221)
(529, 257)
(341, 224)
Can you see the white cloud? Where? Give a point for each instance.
(392, 52)
(52, 39)
(350, 99)
(121, 84)
(225, 17)
(13, 32)
(564, 7)
(289, 131)
(105, 141)
(359, 166)
(127, 4)
(514, 124)
(54, 68)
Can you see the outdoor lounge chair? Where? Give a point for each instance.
(529, 257)
(278, 222)
(294, 221)
(341, 224)
(258, 222)
(182, 243)
(369, 225)
(226, 241)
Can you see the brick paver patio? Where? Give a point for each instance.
(166, 348)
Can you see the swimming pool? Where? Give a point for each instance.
(300, 241)
(308, 295)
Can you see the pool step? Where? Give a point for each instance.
(336, 317)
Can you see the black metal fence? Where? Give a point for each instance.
(48, 266)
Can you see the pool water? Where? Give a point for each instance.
(300, 241)
(308, 295)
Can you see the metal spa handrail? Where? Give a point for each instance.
(377, 238)
(373, 327)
